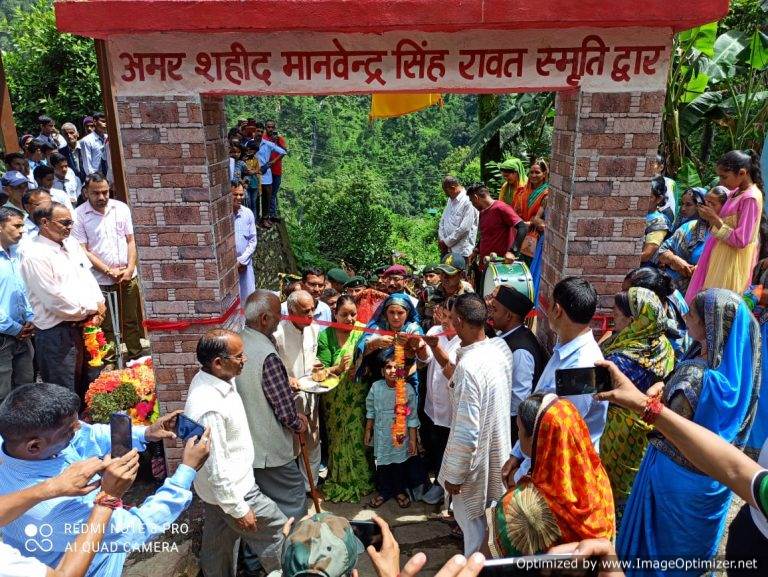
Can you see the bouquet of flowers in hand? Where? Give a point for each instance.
(96, 344)
(131, 389)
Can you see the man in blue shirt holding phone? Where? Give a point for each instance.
(41, 436)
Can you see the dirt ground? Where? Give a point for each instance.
(415, 528)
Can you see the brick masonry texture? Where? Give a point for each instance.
(602, 147)
(176, 168)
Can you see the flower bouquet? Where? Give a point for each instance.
(131, 390)
(96, 344)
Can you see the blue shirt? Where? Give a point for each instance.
(45, 530)
(582, 351)
(15, 309)
(265, 151)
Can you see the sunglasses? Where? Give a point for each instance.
(66, 223)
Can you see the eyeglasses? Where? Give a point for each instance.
(66, 223)
(240, 357)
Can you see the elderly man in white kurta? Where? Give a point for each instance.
(296, 342)
(479, 442)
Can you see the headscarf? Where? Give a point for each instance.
(644, 339)
(731, 387)
(379, 318)
(567, 471)
(515, 165)
(698, 192)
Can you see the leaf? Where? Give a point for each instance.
(688, 177)
(728, 46)
(695, 87)
(758, 50)
(702, 38)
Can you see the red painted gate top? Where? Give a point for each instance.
(102, 18)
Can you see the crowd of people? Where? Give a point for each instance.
(396, 383)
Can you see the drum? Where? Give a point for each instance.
(515, 275)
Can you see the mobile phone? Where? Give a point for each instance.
(187, 428)
(533, 565)
(120, 433)
(368, 532)
(582, 381)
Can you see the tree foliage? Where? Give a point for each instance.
(717, 92)
(48, 72)
(360, 190)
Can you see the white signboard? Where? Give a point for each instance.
(607, 60)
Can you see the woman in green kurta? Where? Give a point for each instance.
(349, 473)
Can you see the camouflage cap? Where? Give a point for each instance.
(322, 544)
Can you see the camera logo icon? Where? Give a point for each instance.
(38, 538)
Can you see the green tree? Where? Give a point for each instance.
(48, 72)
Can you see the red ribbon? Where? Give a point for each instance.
(155, 325)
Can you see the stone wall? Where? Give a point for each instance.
(602, 148)
(176, 172)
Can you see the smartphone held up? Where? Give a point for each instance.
(582, 381)
(121, 434)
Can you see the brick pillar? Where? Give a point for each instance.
(176, 172)
(602, 148)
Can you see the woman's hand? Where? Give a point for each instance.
(624, 393)
(378, 343)
(708, 214)
(655, 389)
(344, 364)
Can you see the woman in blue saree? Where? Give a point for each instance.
(680, 253)
(396, 314)
(675, 511)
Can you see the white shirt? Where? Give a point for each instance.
(582, 351)
(70, 184)
(58, 195)
(105, 235)
(227, 475)
(437, 404)
(59, 282)
(458, 225)
(522, 374)
(297, 347)
(14, 564)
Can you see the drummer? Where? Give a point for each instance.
(501, 230)
(506, 313)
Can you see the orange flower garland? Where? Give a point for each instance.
(401, 396)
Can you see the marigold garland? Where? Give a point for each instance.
(401, 396)
(96, 344)
(131, 389)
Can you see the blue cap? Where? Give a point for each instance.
(14, 178)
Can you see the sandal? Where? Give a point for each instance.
(376, 501)
(403, 500)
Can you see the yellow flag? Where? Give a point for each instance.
(391, 105)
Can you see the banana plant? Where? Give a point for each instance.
(687, 80)
(525, 125)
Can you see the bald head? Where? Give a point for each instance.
(262, 311)
(301, 307)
